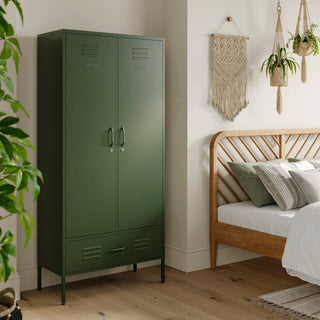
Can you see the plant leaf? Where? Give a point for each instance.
(8, 204)
(10, 31)
(25, 219)
(23, 182)
(7, 146)
(25, 142)
(36, 187)
(16, 60)
(3, 24)
(7, 268)
(35, 171)
(283, 71)
(21, 151)
(16, 105)
(6, 51)
(7, 238)
(14, 132)
(7, 189)
(16, 43)
(3, 66)
(7, 80)
(10, 249)
(8, 121)
(17, 4)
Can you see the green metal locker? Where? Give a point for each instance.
(101, 149)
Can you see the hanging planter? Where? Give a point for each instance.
(306, 42)
(304, 49)
(277, 79)
(278, 64)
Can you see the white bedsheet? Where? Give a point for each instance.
(268, 219)
(301, 256)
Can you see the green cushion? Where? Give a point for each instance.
(250, 182)
(307, 159)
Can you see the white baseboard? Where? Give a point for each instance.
(177, 258)
(198, 259)
(227, 254)
(13, 282)
(28, 275)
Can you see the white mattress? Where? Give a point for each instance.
(269, 219)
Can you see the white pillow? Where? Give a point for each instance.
(315, 162)
(280, 185)
(308, 182)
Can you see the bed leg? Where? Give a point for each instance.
(213, 254)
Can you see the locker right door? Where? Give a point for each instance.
(141, 119)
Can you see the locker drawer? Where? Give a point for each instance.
(108, 251)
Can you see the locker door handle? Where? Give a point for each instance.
(111, 133)
(117, 249)
(122, 136)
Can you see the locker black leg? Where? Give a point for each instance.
(163, 271)
(63, 290)
(39, 278)
(134, 267)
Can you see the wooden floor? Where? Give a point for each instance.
(223, 293)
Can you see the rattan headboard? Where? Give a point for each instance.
(253, 146)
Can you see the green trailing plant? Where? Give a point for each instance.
(279, 60)
(16, 172)
(310, 38)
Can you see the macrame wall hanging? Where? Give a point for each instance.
(279, 78)
(304, 47)
(229, 78)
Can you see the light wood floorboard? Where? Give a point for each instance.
(221, 294)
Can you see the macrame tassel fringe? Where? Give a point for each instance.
(303, 69)
(230, 99)
(279, 101)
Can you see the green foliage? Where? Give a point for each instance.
(6, 249)
(16, 172)
(310, 38)
(279, 60)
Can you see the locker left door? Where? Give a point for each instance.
(90, 127)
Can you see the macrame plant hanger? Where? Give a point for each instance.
(304, 48)
(277, 80)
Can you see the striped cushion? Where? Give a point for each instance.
(280, 185)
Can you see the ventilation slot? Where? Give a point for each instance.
(91, 253)
(141, 244)
(91, 50)
(140, 53)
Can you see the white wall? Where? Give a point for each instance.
(142, 17)
(175, 32)
(257, 20)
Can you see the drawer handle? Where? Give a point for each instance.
(92, 257)
(117, 249)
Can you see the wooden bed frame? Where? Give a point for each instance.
(250, 146)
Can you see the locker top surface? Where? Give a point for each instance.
(98, 33)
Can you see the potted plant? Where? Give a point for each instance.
(277, 65)
(305, 44)
(16, 172)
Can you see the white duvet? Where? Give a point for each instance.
(301, 256)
